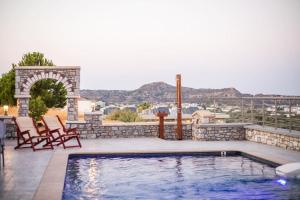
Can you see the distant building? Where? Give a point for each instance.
(147, 112)
(221, 118)
(173, 111)
(84, 105)
(203, 117)
(190, 109)
(129, 107)
(227, 109)
(206, 117)
(109, 109)
(99, 105)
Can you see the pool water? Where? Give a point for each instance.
(174, 177)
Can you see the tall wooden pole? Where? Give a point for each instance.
(178, 102)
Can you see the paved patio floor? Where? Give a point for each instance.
(27, 173)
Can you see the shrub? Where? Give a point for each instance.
(143, 106)
(37, 108)
(124, 116)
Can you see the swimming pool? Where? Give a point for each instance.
(174, 176)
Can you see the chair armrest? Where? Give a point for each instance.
(24, 132)
(43, 132)
(74, 130)
(71, 130)
(54, 130)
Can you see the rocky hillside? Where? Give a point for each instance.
(156, 92)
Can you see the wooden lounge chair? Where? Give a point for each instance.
(28, 135)
(59, 133)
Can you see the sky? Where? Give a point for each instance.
(252, 45)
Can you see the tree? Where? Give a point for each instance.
(37, 108)
(35, 59)
(54, 95)
(7, 88)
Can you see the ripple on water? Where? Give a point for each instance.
(174, 177)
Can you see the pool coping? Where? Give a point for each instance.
(52, 183)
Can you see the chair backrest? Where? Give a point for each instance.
(52, 122)
(2, 132)
(26, 123)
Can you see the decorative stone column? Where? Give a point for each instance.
(23, 106)
(93, 122)
(72, 109)
(93, 118)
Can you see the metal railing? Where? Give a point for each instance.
(278, 112)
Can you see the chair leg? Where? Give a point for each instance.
(70, 138)
(49, 141)
(63, 142)
(18, 143)
(32, 145)
(25, 142)
(48, 144)
(79, 143)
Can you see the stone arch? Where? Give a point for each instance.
(60, 78)
(27, 76)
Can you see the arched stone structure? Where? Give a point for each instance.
(27, 76)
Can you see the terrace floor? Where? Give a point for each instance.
(40, 175)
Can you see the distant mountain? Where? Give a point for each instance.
(157, 92)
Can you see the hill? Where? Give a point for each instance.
(156, 92)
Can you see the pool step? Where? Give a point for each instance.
(290, 170)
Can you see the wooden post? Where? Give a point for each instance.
(178, 102)
(161, 130)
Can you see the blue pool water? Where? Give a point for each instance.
(174, 177)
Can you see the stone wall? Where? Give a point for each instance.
(130, 130)
(93, 128)
(11, 131)
(271, 136)
(218, 132)
(90, 127)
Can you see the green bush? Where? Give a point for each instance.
(37, 108)
(143, 106)
(124, 116)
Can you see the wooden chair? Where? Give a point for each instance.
(29, 136)
(59, 133)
